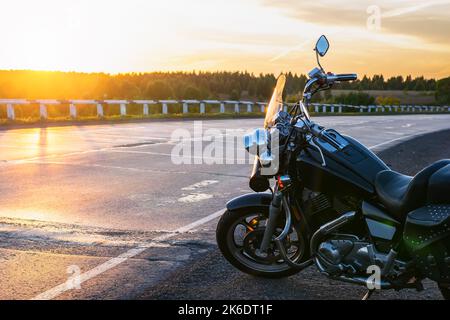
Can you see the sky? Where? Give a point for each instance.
(392, 37)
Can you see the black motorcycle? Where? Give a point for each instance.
(335, 204)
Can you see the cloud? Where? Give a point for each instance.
(427, 20)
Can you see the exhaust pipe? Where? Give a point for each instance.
(329, 228)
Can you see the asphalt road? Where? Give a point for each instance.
(106, 202)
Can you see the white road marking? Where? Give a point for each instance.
(195, 197)
(114, 262)
(396, 139)
(200, 184)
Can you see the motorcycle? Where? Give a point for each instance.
(334, 204)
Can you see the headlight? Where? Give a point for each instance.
(256, 142)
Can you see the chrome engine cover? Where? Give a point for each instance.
(352, 254)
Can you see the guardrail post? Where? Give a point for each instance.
(316, 109)
(100, 113)
(202, 107)
(361, 108)
(10, 111)
(123, 109)
(332, 108)
(340, 109)
(249, 108)
(185, 107)
(145, 109)
(324, 108)
(236, 107)
(73, 111)
(164, 108)
(43, 111)
(222, 107)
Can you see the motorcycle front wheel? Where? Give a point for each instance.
(239, 234)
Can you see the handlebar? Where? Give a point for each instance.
(342, 77)
(317, 76)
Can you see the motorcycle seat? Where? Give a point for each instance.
(401, 194)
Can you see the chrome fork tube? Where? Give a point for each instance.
(274, 212)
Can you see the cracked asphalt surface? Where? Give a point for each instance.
(74, 198)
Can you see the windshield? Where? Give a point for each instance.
(276, 102)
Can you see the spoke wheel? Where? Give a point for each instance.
(239, 235)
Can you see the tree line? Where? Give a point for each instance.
(176, 85)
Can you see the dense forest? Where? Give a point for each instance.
(175, 85)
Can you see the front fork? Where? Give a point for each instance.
(274, 212)
(280, 201)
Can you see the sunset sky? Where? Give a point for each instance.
(411, 37)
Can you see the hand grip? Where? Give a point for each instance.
(346, 77)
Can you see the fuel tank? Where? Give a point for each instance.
(349, 171)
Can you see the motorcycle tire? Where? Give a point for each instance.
(228, 220)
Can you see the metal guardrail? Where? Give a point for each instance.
(163, 104)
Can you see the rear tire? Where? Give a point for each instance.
(228, 222)
(445, 292)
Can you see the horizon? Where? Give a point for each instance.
(261, 36)
(197, 72)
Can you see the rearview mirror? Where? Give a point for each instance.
(322, 46)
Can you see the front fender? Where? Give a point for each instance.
(258, 200)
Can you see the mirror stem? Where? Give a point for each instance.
(318, 61)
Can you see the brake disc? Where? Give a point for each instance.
(252, 243)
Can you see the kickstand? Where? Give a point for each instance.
(368, 295)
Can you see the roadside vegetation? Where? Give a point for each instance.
(177, 85)
(196, 85)
(443, 91)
